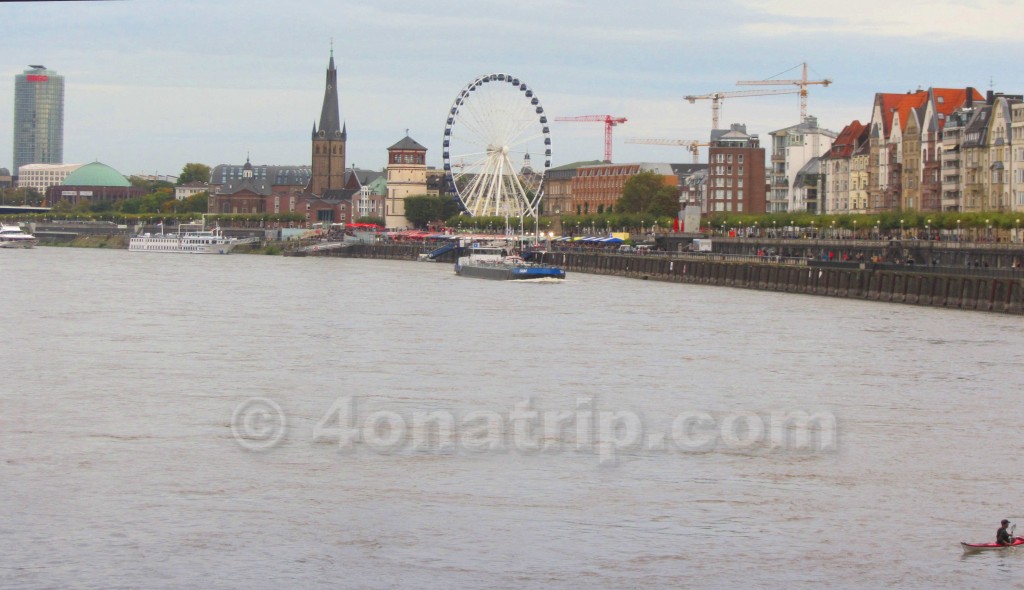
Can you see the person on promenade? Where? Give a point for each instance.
(1002, 535)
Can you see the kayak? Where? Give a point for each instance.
(1017, 541)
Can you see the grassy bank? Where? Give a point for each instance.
(112, 242)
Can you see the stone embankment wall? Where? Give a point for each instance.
(1001, 292)
(926, 286)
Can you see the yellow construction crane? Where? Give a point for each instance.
(690, 144)
(803, 83)
(716, 99)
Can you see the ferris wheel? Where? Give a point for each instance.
(492, 126)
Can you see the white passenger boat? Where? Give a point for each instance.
(190, 242)
(12, 236)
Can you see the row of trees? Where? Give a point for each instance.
(883, 221)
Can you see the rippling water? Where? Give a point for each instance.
(120, 466)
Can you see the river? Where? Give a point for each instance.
(172, 421)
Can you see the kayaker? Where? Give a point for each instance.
(1003, 535)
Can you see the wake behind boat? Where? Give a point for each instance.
(496, 263)
(12, 236)
(196, 241)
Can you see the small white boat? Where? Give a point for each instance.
(12, 236)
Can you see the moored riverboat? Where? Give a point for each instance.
(497, 264)
(12, 236)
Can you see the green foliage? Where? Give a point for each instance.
(24, 196)
(370, 219)
(647, 192)
(149, 185)
(193, 172)
(421, 210)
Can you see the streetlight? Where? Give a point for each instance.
(1017, 233)
(959, 233)
(775, 230)
(928, 229)
(878, 230)
(833, 229)
(855, 229)
(988, 222)
(901, 229)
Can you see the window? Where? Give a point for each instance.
(739, 160)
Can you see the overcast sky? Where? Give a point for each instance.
(152, 85)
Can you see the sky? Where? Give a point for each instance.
(153, 85)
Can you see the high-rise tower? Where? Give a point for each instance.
(38, 117)
(329, 140)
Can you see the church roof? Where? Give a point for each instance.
(276, 175)
(330, 120)
(407, 143)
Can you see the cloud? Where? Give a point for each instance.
(924, 20)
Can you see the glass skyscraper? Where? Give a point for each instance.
(38, 117)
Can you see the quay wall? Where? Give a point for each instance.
(950, 288)
(1003, 294)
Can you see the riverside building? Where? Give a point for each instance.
(38, 117)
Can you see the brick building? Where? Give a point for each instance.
(596, 189)
(735, 179)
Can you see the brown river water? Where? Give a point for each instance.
(178, 421)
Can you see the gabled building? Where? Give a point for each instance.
(1017, 156)
(837, 167)
(926, 111)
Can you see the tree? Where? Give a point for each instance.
(646, 192)
(194, 204)
(193, 172)
(422, 209)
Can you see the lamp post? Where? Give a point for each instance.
(833, 229)
(855, 229)
(1017, 232)
(928, 229)
(878, 230)
(775, 230)
(988, 222)
(901, 229)
(757, 232)
(959, 232)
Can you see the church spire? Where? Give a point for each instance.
(330, 121)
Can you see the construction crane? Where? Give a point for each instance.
(690, 144)
(716, 99)
(803, 83)
(609, 122)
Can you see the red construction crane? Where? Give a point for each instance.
(609, 122)
(803, 83)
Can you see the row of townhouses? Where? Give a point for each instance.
(939, 149)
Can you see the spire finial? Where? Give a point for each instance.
(407, 132)
(332, 46)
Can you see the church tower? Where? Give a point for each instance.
(329, 140)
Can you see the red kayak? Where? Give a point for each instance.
(1017, 541)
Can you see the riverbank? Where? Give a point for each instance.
(994, 291)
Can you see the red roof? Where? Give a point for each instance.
(947, 100)
(846, 141)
